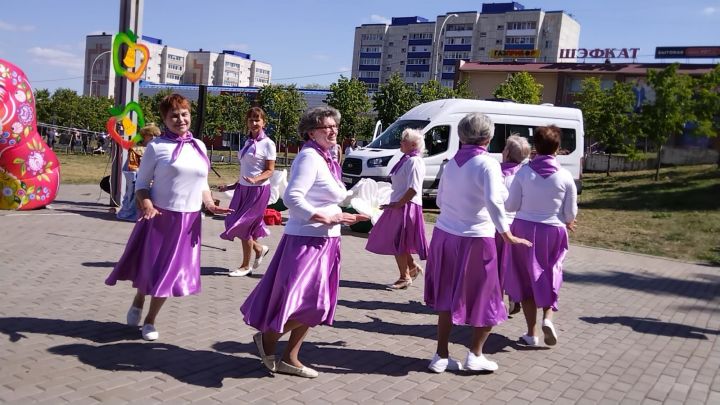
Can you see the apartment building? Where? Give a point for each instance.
(169, 65)
(419, 50)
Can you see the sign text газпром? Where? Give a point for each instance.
(606, 53)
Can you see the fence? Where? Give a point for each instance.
(671, 156)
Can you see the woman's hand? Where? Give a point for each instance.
(572, 225)
(147, 209)
(216, 209)
(390, 206)
(222, 187)
(251, 180)
(512, 239)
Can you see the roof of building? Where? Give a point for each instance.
(624, 68)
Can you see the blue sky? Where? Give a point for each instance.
(311, 41)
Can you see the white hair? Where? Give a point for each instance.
(414, 136)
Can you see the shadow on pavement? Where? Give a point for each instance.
(213, 271)
(335, 358)
(98, 264)
(415, 307)
(654, 326)
(99, 332)
(705, 290)
(197, 367)
(362, 285)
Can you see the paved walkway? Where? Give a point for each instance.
(633, 329)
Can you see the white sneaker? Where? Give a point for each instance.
(258, 260)
(549, 332)
(530, 340)
(240, 272)
(479, 363)
(439, 364)
(133, 316)
(149, 332)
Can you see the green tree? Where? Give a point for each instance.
(151, 107)
(673, 107)
(226, 113)
(65, 108)
(462, 90)
(42, 105)
(520, 87)
(349, 96)
(394, 99)
(706, 103)
(608, 116)
(433, 90)
(283, 106)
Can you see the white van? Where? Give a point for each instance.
(438, 121)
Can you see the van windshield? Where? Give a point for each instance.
(390, 138)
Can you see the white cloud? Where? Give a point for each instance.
(54, 57)
(378, 19)
(242, 47)
(709, 10)
(343, 69)
(15, 28)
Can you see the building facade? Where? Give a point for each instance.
(172, 66)
(420, 50)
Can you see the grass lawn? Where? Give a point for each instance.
(677, 217)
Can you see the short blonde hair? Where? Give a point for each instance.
(150, 130)
(517, 148)
(414, 136)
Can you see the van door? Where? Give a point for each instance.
(438, 150)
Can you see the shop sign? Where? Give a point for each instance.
(599, 53)
(514, 53)
(687, 52)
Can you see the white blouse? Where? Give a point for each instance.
(254, 161)
(312, 189)
(409, 176)
(551, 200)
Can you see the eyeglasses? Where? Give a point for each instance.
(335, 127)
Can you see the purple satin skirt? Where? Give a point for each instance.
(535, 272)
(398, 231)
(162, 256)
(461, 277)
(300, 284)
(249, 203)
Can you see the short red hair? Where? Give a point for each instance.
(173, 102)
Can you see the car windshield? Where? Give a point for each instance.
(390, 138)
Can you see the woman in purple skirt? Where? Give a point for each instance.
(545, 198)
(515, 153)
(400, 231)
(299, 288)
(252, 193)
(162, 256)
(462, 281)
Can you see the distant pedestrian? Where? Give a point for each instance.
(162, 256)
(85, 140)
(128, 209)
(545, 198)
(52, 137)
(351, 146)
(252, 193)
(400, 231)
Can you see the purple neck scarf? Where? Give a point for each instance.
(181, 141)
(333, 165)
(251, 142)
(509, 168)
(402, 160)
(544, 165)
(468, 152)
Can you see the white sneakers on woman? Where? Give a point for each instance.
(259, 259)
(149, 332)
(472, 363)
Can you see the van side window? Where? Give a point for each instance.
(437, 140)
(503, 131)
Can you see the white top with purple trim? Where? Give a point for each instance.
(551, 200)
(471, 198)
(253, 163)
(410, 176)
(508, 181)
(312, 189)
(176, 186)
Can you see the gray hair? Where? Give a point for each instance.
(414, 136)
(517, 148)
(314, 117)
(476, 129)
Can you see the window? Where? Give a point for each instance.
(498, 42)
(373, 49)
(483, 34)
(390, 138)
(547, 44)
(367, 74)
(390, 56)
(520, 40)
(448, 69)
(402, 50)
(387, 69)
(568, 141)
(404, 37)
(459, 27)
(421, 35)
(522, 25)
(500, 27)
(402, 63)
(418, 61)
(369, 61)
(456, 55)
(391, 43)
(437, 140)
(458, 41)
(371, 37)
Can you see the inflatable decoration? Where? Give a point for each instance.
(124, 66)
(29, 169)
(367, 196)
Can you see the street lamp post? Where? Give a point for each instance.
(92, 67)
(440, 46)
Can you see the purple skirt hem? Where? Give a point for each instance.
(399, 231)
(247, 221)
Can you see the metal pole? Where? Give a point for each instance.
(92, 67)
(440, 46)
(131, 15)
